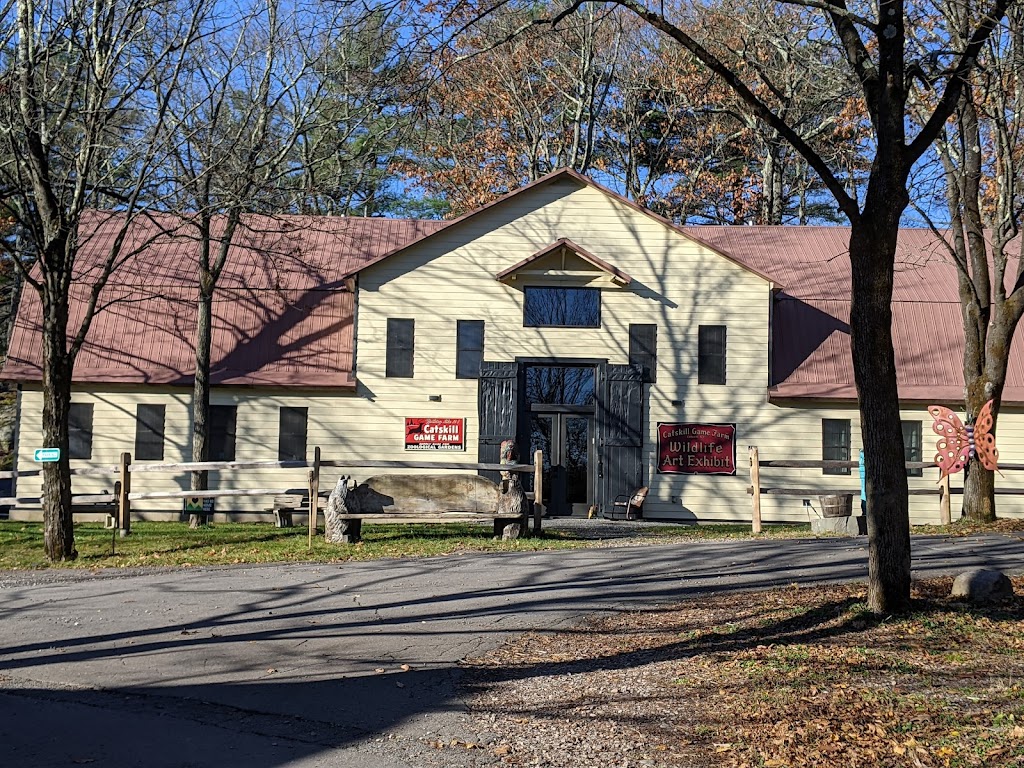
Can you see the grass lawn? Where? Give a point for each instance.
(174, 544)
(791, 678)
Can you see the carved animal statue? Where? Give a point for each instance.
(512, 498)
(340, 502)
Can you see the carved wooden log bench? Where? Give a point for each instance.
(407, 499)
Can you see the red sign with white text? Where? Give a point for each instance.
(435, 434)
(697, 449)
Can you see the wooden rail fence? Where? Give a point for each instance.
(942, 489)
(123, 496)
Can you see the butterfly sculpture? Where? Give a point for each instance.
(959, 444)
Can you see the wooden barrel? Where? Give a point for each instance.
(837, 506)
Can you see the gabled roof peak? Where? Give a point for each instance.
(565, 245)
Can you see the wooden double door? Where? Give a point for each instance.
(592, 445)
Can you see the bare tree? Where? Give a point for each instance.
(980, 154)
(495, 118)
(245, 99)
(80, 125)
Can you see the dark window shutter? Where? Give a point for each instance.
(80, 431)
(149, 432)
(711, 354)
(401, 333)
(497, 404)
(912, 445)
(222, 432)
(835, 444)
(620, 439)
(291, 444)
(643, 350)
(469, 348)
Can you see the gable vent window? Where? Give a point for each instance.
(643, 350)
(291, 444)
(149, 432)
(711, 354)
(80, 431)
(835, 444)
(222, 432)
(469, 351)
(401, 333)
(561, 307)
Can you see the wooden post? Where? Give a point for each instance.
(944, 515)
(538, 490)
(124, 506)
(314, 495)
(755, 481)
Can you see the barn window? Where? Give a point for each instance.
(711, 354)
(149, 432)
(643, 350)
(80, 431)
(561, 307)
(400, 344)
(222, 432)
(835, 444)
(912, 445)
(469, 352)
(291, 444)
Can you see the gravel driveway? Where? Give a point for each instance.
(350, 664)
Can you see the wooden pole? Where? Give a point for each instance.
(124, 504)
(538, 490)
(944, 515)
(314, 495)
(755, 481)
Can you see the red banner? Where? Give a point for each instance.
(697, 449)
(435, 434)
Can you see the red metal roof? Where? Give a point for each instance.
(282, 311)
(811, 335)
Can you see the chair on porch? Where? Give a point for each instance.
(630, 506)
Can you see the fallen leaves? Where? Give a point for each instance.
(791, 678)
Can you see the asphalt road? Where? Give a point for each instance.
(345, 665)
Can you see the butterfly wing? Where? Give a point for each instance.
(954, 449)
(984, 440)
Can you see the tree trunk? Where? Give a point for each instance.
(872, 251)
(979, 493)
(58, 525)
(985, 377)
(201, 394)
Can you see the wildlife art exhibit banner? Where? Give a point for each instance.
(423, 434)
(697, 449)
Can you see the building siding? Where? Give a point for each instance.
(677, 284)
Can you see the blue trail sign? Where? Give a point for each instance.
(47, 454)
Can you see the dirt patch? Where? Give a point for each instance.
(795, 678)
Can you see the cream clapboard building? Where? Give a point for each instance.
(633, 352)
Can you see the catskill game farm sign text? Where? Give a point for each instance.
(423, 434)
(697, 449)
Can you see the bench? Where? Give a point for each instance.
(98, 504)
(412, 499)
(288, 504)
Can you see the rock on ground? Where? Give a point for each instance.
(982, 585)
